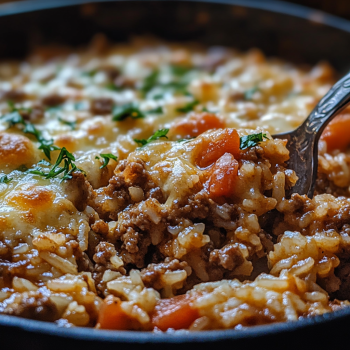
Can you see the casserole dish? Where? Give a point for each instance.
(278, 37)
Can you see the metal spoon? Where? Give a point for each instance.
(303, 141)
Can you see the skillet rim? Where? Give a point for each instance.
(178, 337)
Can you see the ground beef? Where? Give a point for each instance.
(84, 263)
(12, 95)
(196, 206)
(78, 190)
(34, 306)
(324, 185)
(100, 227)
(152, 274)
(229, 257)
(343, 274)
(104, 251)
(101, 106)
(52, 100)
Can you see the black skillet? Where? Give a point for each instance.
(292, 32)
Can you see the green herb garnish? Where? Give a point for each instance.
(113, 87)
(12, 119)
(150, 82)
(90, 73)
(125, 111)
(13, 108)
(4, 179)
(106, 157)
(72, 125)
(154, 88)
(180, 70)
(54, 109)
(68, 166)
(188, 107)
(248, 95)
(157, 110)
(157, 135)
(251, 140)
(15, 118)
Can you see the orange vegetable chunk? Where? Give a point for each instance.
(197, 123)
(176, 313)
(223, 176)
(227, 141)
(337, 133)
(112, 316)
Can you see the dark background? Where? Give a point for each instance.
(339, 8)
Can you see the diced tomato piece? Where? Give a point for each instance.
(112, 316)
(196, 124)
(176, 313)
(337, 133)
(223, 176)
(226, 141)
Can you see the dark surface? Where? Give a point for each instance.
(279, 32)
(282, 35)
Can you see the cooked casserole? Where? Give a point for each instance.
(141, 189)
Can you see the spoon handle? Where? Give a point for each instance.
(303, 142)
(333, 102)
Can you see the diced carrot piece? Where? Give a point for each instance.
(226, 141)
(337, 133)
(223, 176)
(175, 313)
(112, 316)
(196, 124)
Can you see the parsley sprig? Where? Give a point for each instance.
(187, 107)
(128, 110)
(4, 179)
(72, 125)
(156, 136)
(251, 140)
(106, 157)
(155, 88)
(14, 118)
(68, 166)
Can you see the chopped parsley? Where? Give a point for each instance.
(157, 110)
(14, 118)
(13, 108)
(106, 157)
(157, 135)
(4, 179)
(188, 107)
(68, 166)
(90, 73)
(150, 82)
(179, 70)
(125, 111)
(72, 125)
(248, 95)
(54, 109)
(251, 140)
(113, 87)
(153, 87)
